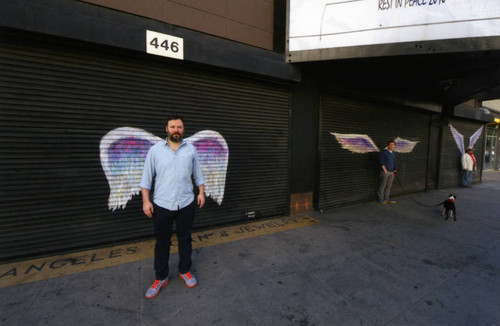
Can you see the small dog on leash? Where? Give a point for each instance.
(449, 208)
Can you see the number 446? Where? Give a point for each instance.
(174, 46)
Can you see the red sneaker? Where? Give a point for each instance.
(189, 279)
(155, 288)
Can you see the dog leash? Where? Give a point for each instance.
(415, 201)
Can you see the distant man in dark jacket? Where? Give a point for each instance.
(387, 162)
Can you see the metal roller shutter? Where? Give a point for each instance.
(59, 98)
(347, 176)
(450, 173)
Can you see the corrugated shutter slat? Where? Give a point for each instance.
(347, 177)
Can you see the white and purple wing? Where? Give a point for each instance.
(123, 152)
(404, 145)
(214, 155)
(459, 139)
(356, 143)
(473, 139)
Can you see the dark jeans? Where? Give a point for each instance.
(163, 221)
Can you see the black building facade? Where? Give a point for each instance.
(74, 75)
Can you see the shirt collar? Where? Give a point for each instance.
(182, 142)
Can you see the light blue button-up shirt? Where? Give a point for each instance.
(172, 173)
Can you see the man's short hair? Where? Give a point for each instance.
(175, 117)
(391, 141)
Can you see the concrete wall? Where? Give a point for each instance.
(246, 21)
(493, 105)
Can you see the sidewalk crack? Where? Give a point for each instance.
(32, 303)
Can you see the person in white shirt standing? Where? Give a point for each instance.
(468, 165)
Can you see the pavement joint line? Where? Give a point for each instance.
(33, 301)
(426, 294)
(38, 269)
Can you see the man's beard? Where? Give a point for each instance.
(175, 139)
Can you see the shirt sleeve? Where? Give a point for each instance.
(464, 162)
(147, 172)
(381, 158)
(197, 173)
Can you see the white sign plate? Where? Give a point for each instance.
(325, 24)
(164, 45)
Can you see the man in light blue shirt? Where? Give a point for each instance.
(172, 164)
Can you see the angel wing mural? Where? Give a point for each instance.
(459, 138)
(363, 144)
(356, 143)
(124, 150)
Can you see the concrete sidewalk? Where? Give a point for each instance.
(366, 264)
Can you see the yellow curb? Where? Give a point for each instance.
(55, 266)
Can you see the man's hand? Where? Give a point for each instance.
(147, 208)
(201, 200)
(201, 196)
